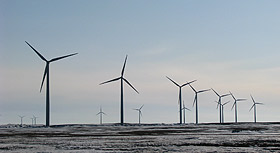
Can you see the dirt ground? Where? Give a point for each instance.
(241, 137)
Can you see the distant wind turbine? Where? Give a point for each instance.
(184, 111)
(196, 102)
(255, 108)
(180, 95)
(223, 117)
(140, 113)
(235, 105)
(21, 117)
(35, 118)
(122, 79)
(32, 120)
(220, 102)
(101, 113)
(46, 74)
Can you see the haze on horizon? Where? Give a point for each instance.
(225, 45)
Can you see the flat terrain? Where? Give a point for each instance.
(241, 137)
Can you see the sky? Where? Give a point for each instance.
(224, 45)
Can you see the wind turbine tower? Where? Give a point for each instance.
(180, 95)
(122, 79)
(184, 111)
(223, 117)
(235, 105)
(101, 113)
(21, 118)
(196, 102)
(35, 118)
(140, 113)
(32, 119)
(255, 108)
(46, 75)
(220, 102)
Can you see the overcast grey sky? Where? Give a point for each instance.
(225, 45)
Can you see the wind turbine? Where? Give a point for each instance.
(21, 117)
(220, 101)
(122, 79)
(35, 119)
(255, 108)
(184, 111)
(46, 74)
(223, 117)
(180, 94)
(140, 113)
(32, 120)
(235, 105)
(196, 102)
(101, 113)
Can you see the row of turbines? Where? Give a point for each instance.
(123, 79)
(33, 120)
(220, 105)
(101, 113)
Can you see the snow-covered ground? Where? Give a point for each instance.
(241, 137)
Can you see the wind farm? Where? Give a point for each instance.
(135, 76)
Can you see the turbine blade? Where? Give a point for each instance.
(59, 58)
(233, 105)
(172, 81)
(141, 107)
(225, 95)
(215, 92)
(130, 85)
(217, 105)
(192, 88)
(253, 99)
(98, 113)
(41, 56)
(232, 96)
(260, 103)
(110, 80)
(203, 90)
(124, 66)
(178, 100)
(194, 100)
(241, 99)
(44, 76)
(226, 103)
(252, 107)
(188, 83)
